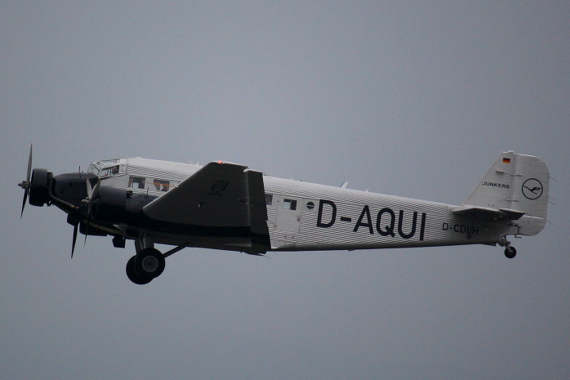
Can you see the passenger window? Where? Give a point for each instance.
(161, 185)
(136, 182)
(268, 199)
(289, 204)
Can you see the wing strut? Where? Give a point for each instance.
(174, 250)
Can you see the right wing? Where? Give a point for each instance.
(218, 195)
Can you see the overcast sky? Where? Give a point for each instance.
(408, 98)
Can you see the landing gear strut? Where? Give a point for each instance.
(510, 251)
(148, 264)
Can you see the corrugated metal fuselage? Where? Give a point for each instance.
(227, 206)
(330, 218)
(303, 216)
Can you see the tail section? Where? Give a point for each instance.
(517, 187)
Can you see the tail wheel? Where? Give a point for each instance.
(149, 262)
(510, 252)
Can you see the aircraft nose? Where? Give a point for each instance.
(39, 187)
(71, 187)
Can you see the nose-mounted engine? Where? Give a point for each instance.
(82, 196)
(39, 187)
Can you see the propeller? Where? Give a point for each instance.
(26, 183)
(92, 194)
(75, 223)
(74, 239)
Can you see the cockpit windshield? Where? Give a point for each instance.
(105, 168)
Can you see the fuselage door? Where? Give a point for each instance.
(288, 218)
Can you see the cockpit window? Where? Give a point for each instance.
(113, 170)
(95, 169)
(105, 168)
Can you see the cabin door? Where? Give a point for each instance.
(288, 218)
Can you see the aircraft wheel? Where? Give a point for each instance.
(510, 252)
(134, 276)
(149, 262)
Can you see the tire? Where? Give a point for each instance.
(135, 277)
(510, 252)
(149, 262)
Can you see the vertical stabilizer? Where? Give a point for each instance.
(515, 182)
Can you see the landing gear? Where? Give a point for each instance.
(510, 251)
(147, 264)
(134, 276)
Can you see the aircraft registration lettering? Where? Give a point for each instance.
(461, 228)
(388, 223)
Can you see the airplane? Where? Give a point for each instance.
(227, 206)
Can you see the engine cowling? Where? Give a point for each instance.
(39, 187)
(115, 205)
(111, 205)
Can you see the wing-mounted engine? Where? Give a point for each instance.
(116, 205)
(110, 205)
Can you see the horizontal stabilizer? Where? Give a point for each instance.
(486, 213)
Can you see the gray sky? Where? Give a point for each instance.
(414, 99)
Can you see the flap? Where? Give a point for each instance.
(215, 196)
(487, 213)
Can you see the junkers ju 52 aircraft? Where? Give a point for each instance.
(227, 206)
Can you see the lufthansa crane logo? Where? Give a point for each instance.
(532, 189)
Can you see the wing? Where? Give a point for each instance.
(218, 195)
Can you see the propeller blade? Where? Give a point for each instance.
(75, 228)
(87, 229)
(29, 164)
(92, 194)
(26, 184)
(24, 203)
(89, 189)
(96, 190)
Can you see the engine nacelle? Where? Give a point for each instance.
(114, 205)
(39, 190)
(110, 205)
